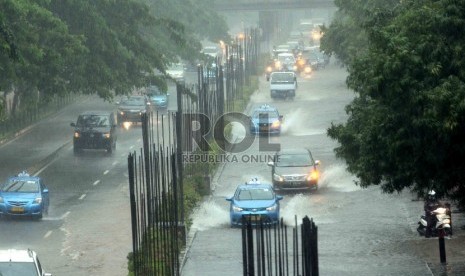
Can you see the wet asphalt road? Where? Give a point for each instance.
(361, 232)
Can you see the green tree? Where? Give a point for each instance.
(406, 126)
(42, 46)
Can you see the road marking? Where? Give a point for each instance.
(114, 163)
(131, 147)
(43, 169)
(82, 196)
(105, 172)
(48, 234)
(65, 215)
(96, 182)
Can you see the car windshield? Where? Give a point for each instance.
(210, 50)
(136, 101)
(93, 121)
(294, 160)
(176, 67)
(21, 186)
(255, 194)
(282, 77)
(265, 115)
(18, 268)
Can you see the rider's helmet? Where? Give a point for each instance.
(431, 195)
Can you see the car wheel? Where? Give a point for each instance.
(110, 149)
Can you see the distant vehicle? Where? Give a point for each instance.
(283, 48)
(294, 170)
(256, 203)
(176, 71)
(16, 262)
(24, 195)
(95, 130)
(212, 51)
(283, 85)
(130, 109)
(286, 62)
(157, 98)
(266, 119)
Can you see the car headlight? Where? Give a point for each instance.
(269, 69)
(237, 209)
(277, 177)
(38, 200)
(272, 208)
(314, 175)
(77, 134)
(294, 67)
(276, 124)
(121, 112)
(308, 69)
(106, 135)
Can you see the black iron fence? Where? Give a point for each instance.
(162, 170)
(280, 249)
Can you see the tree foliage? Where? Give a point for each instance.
(406, 127)
(108, 47)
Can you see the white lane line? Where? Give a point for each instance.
(65, 215)
(105, 172)
(82, 196)
(96, 182)
(131, 147)
(114, 163)
(43, 169)
(48, 234)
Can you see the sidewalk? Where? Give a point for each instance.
(428, 249)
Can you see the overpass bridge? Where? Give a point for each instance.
(271, 5)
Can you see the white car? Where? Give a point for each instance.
(176, 71)
(15, 262)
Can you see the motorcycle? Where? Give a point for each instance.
(441, 222)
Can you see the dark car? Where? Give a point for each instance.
(266, 119)
(294, 169)
(157, 98)
(95, 130)
(24, 195)
(130, 109)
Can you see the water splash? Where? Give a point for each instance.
(295, 124)
(337, 178)
(210, 215)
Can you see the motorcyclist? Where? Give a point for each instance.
(431, 204)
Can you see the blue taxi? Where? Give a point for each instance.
(266, 119)
(24, 195)
(256, 203)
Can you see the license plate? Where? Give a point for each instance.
(17, 209)
(264, 128)
(253, 218)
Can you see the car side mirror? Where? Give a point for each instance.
(73, 124)
(317, 162)
(229, 198)
(279, 197)
(271, 163)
